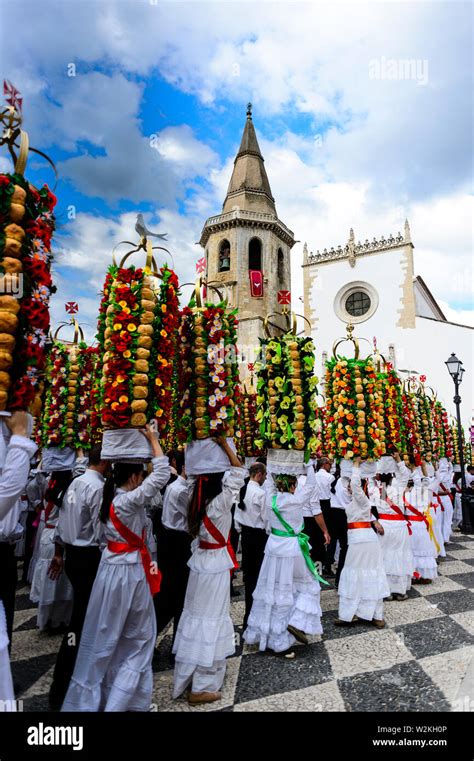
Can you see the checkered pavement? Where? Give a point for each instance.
(422, 661)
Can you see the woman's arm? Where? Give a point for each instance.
(17, 463)
(158, 478)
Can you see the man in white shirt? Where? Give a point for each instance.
(78, 538)
(16, 451)
(340, 500)
(174, 547)
(251, 520)
(324, 481)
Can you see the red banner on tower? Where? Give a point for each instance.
(256, 283)
(284, 297)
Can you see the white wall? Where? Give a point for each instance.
(424, 348)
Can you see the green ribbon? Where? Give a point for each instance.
(303, 540)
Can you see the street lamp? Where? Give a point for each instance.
(456, 371)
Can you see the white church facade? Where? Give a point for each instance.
(373, 285)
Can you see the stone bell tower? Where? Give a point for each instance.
(247, 247)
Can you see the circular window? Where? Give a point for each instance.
(356, 302)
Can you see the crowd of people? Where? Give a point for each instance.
(115, 552)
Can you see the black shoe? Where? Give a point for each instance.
(327, 571)
(234, 592)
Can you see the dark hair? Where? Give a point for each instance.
(57, 486)
(386, 478)
(121, 472)
(337, 475)
(262, 459)
(94, 455)
(456, 477)
(178, 456)
(322, 461)
(206, 488)
(255, 468)
(284, 482)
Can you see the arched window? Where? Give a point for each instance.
(281, 267)
(224, 256)
(255, 254)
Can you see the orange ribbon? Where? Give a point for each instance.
(220, 541)
(360, 524)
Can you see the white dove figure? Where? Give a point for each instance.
(143, 231)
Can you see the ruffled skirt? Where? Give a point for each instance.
(286, 594)
(424, 551)
(363, 583)
(7, 696)
(113, 669)
(397, 555)
(54, 598)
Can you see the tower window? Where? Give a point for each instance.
(358, 303)
(255, 254)
(281, 267)
(224, 256)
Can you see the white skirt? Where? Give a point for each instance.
(397, 555)
(113, 669)
(54, 598)
(363, 583)
(438, 530)
(424, 551)
(7, 695)
(36, 548)
(447, 518)
(205, 632)
(457, 514)
(286, 594)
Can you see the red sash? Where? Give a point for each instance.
(220, 541)
(399, 515)
(360, 524)
(133, 544)
(418, 516)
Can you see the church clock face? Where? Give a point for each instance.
(356, 302)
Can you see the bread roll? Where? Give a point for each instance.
(140, 392)
(14, 231)
(11, 265)
(147, 318)
(148, 295)
(141, 366)
(142, 353)
(5, 379)
(7, 341)
(9, 304)
(139, 405)
(18, 195)
(145, 342)
(147, 305)
(3, 399)
(138, 419)
(8, 322)
(16, 212)
(6, 359)
(145, 330)
(140, 379)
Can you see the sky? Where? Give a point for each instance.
(363, 113)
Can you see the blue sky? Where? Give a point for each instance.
(153, 117)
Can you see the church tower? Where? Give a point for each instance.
(247, 247)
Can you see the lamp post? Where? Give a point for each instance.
(456, 371)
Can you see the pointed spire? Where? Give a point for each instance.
(407, 232)
(249, 187)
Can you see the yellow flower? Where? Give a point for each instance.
(159, 413)
(163, 307)
(122, 304)
(117, 326)
(164, 362)
(114, 405)
(158, 382)
(132, 328)
(163, 333)
(127, 354)
(123, 399)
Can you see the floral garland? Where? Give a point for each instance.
(124, 384)
(209, 372)
(355, 409)
(83, 435)
(248, 425)
(423, 416)
(286, 390)
(441, 441)
(413, 453)
(393, 412)
(455, 440)
(54, 423)
(26, 227)
(446, 433)
(163, 352)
